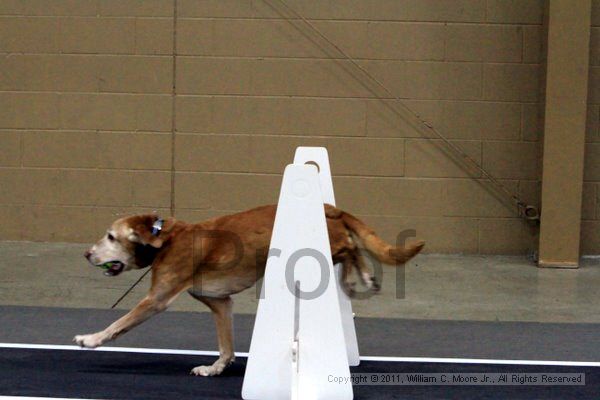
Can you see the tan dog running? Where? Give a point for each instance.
(217, 258)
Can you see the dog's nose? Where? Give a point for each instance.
(87, 254)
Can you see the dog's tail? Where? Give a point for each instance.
(383, 252)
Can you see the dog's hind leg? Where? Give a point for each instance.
(347, 285)
(364, 272)
(223, 315)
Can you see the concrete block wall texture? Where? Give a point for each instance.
(85, 127)
(590, 212)
(112, 107)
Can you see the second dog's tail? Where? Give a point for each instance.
(383, 251)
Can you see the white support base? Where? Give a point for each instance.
(297, 344)
(319, 156)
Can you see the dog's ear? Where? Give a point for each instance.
(142, 233)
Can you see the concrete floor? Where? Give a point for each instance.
(443, 287)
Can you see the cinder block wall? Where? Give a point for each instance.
(111, 107)
(85, 100)
(590, 228)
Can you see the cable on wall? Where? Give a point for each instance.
(523, 209)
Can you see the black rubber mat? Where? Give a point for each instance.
(382, 337)
(120, 375)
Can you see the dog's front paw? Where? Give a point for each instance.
(89, 341)
(207, 370)
(216, 369)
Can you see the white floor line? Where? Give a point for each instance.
(40, 398)
(364, 358)
(483, 361)
(115, 349)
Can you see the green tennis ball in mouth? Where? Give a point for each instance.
(112, 268)
(107, 265)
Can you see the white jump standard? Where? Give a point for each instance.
(300, 333)
(319, 156)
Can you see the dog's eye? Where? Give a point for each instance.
(110, 237)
